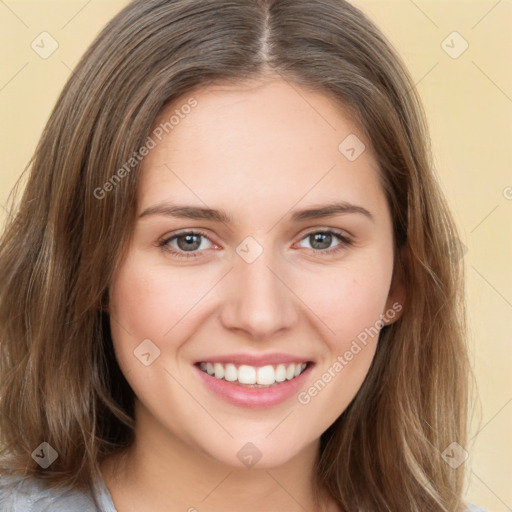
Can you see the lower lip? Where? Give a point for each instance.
(254, 398)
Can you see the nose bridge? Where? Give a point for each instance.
(258, 300)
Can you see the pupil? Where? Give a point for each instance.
(192, 242)
(323, 238)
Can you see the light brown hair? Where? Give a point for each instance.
(60, 382)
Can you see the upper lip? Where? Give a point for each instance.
(255, 359)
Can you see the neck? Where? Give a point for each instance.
(160, 472)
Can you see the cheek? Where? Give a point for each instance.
(350, 300)
(351, 310)
(151, 302)
(148, 301)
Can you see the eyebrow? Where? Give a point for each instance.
(196, 212)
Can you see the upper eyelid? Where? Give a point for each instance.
(342, 234)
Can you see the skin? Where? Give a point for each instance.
(260, 152)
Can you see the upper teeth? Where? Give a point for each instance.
(245, 374)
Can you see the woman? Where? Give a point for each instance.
(208, 167)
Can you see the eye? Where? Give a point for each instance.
(321, 241)
(189, 242)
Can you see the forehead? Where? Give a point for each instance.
(268, 141)
(269, 110)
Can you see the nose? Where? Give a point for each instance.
(259, 301)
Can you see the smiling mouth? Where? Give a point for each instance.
(253, 376)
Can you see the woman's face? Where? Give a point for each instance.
(263, 248)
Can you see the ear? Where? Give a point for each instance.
(395, 303)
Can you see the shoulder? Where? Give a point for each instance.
(25, 494)
(475, 508)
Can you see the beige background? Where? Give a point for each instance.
(468, 100)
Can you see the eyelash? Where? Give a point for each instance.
(343, 239)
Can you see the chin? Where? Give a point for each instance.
(258, 452)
